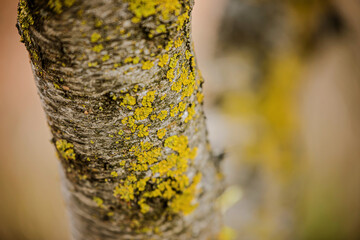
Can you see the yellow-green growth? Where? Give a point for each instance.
(142, 113)
(170, 74)
(69, 3)
(25, 20)
(146, 65)
(57, 5)
(98, 48)
(161, 133)
(163, 60)
(191, 113)
(143, 130)
(162, 115)
(178, 42)
(92, 64)
(146, 8)
(200, 97)
(128, 100)
(98, 201)
(65, 149)
(171, 183)
(148, 99)
(161, 28)
(98, 22)
(95, 37)
(105, 57)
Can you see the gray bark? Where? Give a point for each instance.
(127, 121)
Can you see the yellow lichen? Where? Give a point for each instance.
(176, 86)
(173, 61)
(105, 57)
(142, 113)
(98, 48)
(146, 8)
(92, 64)
(153, 117)
(191, 112)
(172, 185)
(148, 99)
(130, 122)
(178, 42)
(161, 133)
(169, 45)
(57, 86)
(135, 19)
(182, 106)
(146, 65)
(125, 192)
(170, 74)
(163, 60)
(161, 28)
(188, 54)
(181, 19)
(98, 22)
(65, 149)
(188, 91)
(183, 202)
(144, 208)
(162, 115)
(174, 111)
(56, 6)
(143, 130)
(98, 201)
(128, 100)
(128, 60)
(200, 97)
(95, 37)
(114, 174)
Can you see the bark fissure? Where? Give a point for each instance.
(123, 98)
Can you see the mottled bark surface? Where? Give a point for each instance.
(123, 98)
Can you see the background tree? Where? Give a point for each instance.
(123, 98)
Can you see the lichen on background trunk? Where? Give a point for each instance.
(123, 97)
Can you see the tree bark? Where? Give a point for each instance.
(123, 98)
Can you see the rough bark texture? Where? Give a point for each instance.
(123, 98)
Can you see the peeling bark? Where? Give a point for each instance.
(123, 97)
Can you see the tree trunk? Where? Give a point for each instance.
(123, 97)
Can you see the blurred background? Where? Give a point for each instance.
(282, 96)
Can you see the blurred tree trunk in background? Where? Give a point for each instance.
(123, 97)
(264, 52)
